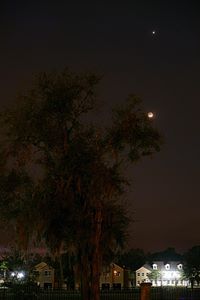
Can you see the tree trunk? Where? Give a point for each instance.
(96, 254)
(95, 289)
(61, 272)
(85, 278)
(91, 259)
(192, 283)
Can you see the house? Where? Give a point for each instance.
(114, 276)
(161, 273)
(142, 274)
(44, 275)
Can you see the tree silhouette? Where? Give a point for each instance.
(64, 177)
(191, 265)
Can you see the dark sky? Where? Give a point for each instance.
(115, 38)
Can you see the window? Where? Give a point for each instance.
(138, 274)
(155, 267)
(116, 286)
(47, 273)
(105, 286)
(167, 266)
(138, 282)
(142, 274)
(116, 273)
(180, 266)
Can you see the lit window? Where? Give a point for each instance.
(155, 266)
(116, 273)
(167, 266)
(180, 266)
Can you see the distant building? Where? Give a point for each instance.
(162, 273)
(114, 277)
(44, 275)
(142, 274)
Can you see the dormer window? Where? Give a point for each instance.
(167, 266)
(155, 267)
(180, 266)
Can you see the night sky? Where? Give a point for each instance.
(114, 38)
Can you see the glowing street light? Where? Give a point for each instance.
(18, 275)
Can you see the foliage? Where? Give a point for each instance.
(191, 266)
(132, 259)
(12, 265)
(154, 275)
(62, 177)
(166, 255)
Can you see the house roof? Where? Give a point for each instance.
(161, 264)
(41, 266)
(146, 266)
(116, 266)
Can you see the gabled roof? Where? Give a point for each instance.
(116, 266)
(146, 266)
(41, 266)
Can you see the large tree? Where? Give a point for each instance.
(63, 175)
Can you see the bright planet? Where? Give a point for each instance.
(150, 115)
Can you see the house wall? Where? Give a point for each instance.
(45, 277)
(142, 275)
(112, 277)
(169, 274)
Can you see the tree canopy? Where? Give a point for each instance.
(132, 259)
(166, 255)
(62, 177)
